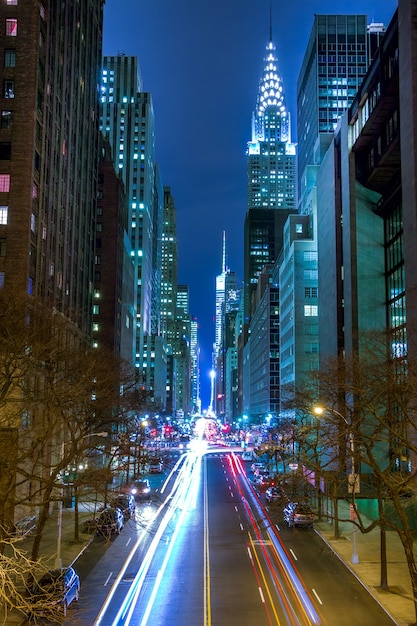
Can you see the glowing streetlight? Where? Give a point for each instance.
(353, 477)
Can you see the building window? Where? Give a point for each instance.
(310, 310)
(6, 119)
(96, 309)
(11, 27)
(99, 227)
(4, 183)
(1, 280)
(299, 229)
(3, 247)
(33, 223)
(30, 285)
(4, 210)
(10, 57)
(8, 89)
(11, 1)
(5, 150)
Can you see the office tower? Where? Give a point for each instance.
(181, 349)
(49, 143)
(220, 302)
(127, 120)
(195, 367)
(169, 263)
(113, 311)
(338, 54)
(271, 168)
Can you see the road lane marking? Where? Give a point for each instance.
(108, 578)
(292, 552)
(317, 596)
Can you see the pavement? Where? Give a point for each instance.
(364, 551)
(364, 548)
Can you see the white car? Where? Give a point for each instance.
(256, 466)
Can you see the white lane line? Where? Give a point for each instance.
(262, 595)
(128, 541)
(317, 596)
(108, 578)
(294, 557)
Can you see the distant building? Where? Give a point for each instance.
(271, 175)
(113, 310)
(127, 121)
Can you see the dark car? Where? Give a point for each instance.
(126, 503)
(110, 521)
(54, 592)
(141, 489)
(264, 482)
(273, 494)
(156, 467)
(298, 514)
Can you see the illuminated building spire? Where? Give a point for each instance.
(224, 266)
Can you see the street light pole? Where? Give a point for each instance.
(58, 560)
(352, 477)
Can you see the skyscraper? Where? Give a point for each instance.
(127, 120)
(338, 54)
(49, 140)
(271, 176)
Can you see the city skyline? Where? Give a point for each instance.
(202, 66)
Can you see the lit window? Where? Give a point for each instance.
(35, 190)
(33, 223)
(311, 310)
(6, 119)
(8, 89)
(96, 309)
(1, 279)
(4, 210)
(11, 27)
(4, 183)
(299, 229)
(10, 57)
(11, 1)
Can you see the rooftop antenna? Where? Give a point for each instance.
(224, 267)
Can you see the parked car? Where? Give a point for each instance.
(141, 489)
(54, 592)
(156, 467)
(298, 514)
(126, 503)
(264, 482)
(273, 494)
(256, 466)
(110, 521)
(261, 471)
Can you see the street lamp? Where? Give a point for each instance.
(353, 478)
(58, 560)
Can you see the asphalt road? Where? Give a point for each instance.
(216, 555)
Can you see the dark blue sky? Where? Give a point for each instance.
(202, 62)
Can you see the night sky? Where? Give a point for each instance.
(202, 62)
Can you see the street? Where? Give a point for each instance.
(208, 551)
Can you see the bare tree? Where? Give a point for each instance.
(369, 426)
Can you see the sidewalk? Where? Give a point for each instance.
(70, 548)
(398, 601)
